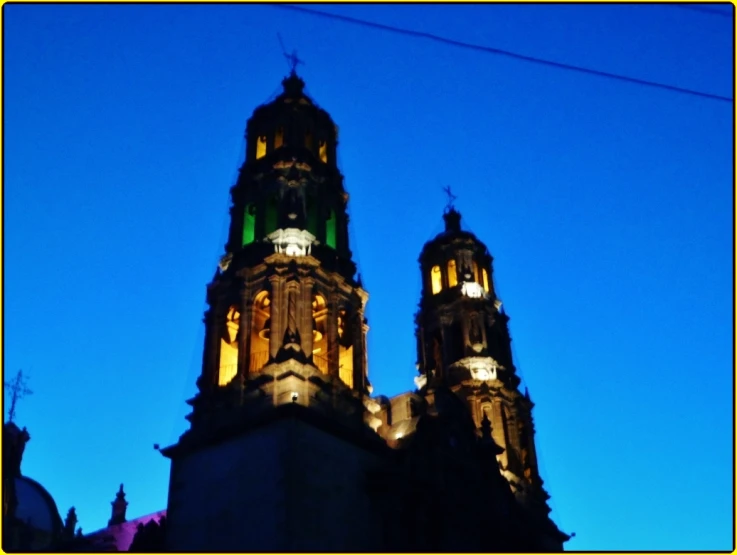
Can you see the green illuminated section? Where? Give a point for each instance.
(249, 224)
(330, 230)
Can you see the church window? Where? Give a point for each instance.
(436, 279)
(229, 347)
(485, 275)
(330, 230)
(260, 147)
(279, 137)
(323, 149)
(452, 275)
(249, 224)
(475, 271)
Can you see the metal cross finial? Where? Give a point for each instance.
(451, 197)
(18, 390)
(292, 58)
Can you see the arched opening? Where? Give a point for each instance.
(452, 274)
(323, 151)
(475, 269)
(320, 333)
(345, 349)
(278, 137)
(436, 280)
(260, 331)
(261, 147)
(249, 224)
(485, 277)
(330, 230)
(229, 347)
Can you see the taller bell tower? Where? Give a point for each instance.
(285, 291)
(284, 371)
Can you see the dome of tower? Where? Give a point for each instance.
(292, 122)
(456, 257)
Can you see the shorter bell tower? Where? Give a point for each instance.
(463, 343)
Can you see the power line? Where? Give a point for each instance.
(501, 52)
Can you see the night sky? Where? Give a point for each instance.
(607, 205)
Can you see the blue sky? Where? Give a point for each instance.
(607, 206)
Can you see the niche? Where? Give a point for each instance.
(229, 347)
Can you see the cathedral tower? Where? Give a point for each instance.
(284, 372)
(285, 288)
(463, 343)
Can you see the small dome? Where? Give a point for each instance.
(37, 510)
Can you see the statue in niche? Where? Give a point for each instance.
(291, 337)
(437, 354)
(295, 208)
(475, 335)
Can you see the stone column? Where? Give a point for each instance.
(305, 332)
(498, 429)
(359, 352)
(278, 313)
(244, 331)
(214, 320)
(333, 353)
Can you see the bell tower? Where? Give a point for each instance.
(283, 390)
(284, 306)
(463, 343)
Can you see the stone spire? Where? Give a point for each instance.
(119, 506)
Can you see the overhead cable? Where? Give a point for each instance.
(499, 51)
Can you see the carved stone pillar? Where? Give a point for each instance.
(333, 353)
(214, 320)
(307, 284)
(278, 314)
(359, 351)
(244, 330)
(497, 429)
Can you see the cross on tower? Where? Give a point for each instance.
(293, 60)
(451, 197)
(18, 390)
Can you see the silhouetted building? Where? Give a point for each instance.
(31, 521)
(287, 450)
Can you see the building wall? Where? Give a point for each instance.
(287, 486)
